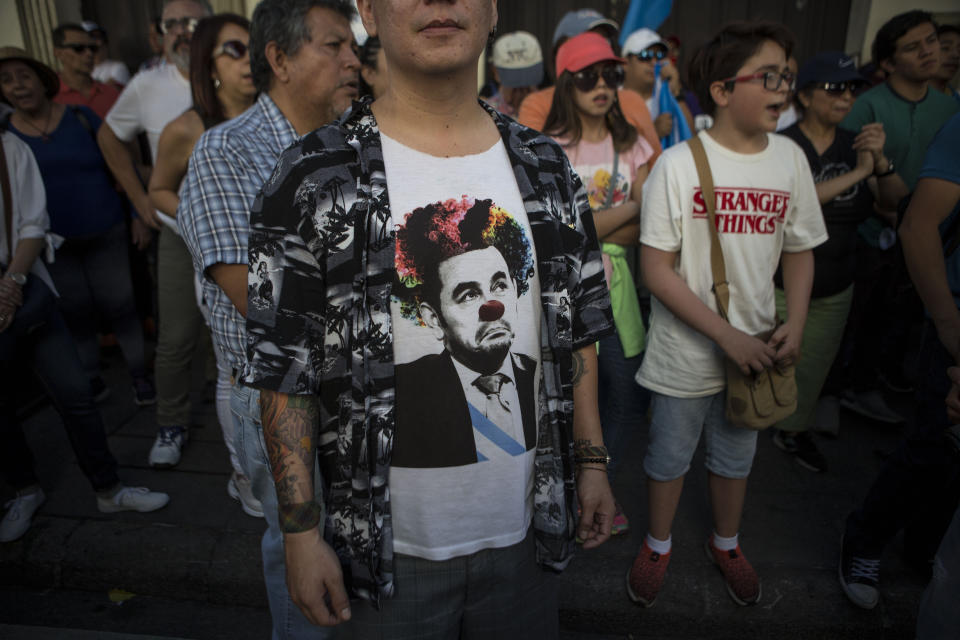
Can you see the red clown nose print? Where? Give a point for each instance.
(491, 310)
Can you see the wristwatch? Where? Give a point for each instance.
(19, 278)
(890, 170)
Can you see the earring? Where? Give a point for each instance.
(216, 84)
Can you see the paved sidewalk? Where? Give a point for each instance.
(203, 548)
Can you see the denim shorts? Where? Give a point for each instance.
(675, 428)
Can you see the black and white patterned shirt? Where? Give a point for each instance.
(322, 271)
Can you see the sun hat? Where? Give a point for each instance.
(579, 52)
(518, 59)
(573, 23)
(49, 78)
(829, 66)
(641, 39)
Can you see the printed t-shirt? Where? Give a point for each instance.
(536, 106)
(81, 199)
(941, 163)
(766, 203)
(909, 127)
(461, 477)
(593, 162)
(835, 261)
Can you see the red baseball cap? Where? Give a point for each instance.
(579, 52)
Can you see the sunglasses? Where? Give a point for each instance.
(586, 79)
(650, 54)
(188, 24)
(837, 89)
(233, 48)
(80, 48)
(771, 80)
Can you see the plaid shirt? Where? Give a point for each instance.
(228, 166)
(322, 272)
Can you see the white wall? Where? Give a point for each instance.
(10, 33)
(882, 10)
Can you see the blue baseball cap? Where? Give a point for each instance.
(829, 66)
(573, 23)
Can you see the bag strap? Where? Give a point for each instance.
(613, 178)
(7, 200)
(721, 288)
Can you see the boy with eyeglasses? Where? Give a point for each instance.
(766, 213)
(76, 49)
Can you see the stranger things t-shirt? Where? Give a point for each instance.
(766, 203)
(466, 323)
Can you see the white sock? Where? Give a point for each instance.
(660, 546)
(725, 544)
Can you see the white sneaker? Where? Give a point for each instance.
(20, 514)
(239, 489)
(133, 499)
(870, 404)
(166, 449)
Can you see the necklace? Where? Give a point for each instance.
(44, 135)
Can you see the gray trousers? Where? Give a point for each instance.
(494, 593)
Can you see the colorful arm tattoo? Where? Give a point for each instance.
(290, 425)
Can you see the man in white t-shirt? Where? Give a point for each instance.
(767, 214)
(436, 295)
(151, 100)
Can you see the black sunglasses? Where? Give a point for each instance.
(650, 54)
(837, 89)
(586, 79)
(80, 48)
(233, 48)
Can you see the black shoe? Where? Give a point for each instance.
(99, 389)
(896, 381)
(859, 577)
(803, 448)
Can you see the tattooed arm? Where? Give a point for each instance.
(314, 577)
(596, 501)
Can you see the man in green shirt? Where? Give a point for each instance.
(911, 112)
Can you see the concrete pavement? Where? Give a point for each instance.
(202, 548)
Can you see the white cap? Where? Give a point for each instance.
(518, 59)
(639, 40)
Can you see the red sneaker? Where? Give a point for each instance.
(743, 583)
(645, 577)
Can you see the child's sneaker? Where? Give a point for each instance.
(620, 522)
(743, 584)
(646, 576)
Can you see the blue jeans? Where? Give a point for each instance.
(288, 622)
(92, 276)
(49, 350)
(623, 403)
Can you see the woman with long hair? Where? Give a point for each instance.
(222, 87)
(611, 159)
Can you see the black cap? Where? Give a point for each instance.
(830, 66)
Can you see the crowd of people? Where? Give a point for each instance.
(427, 335)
